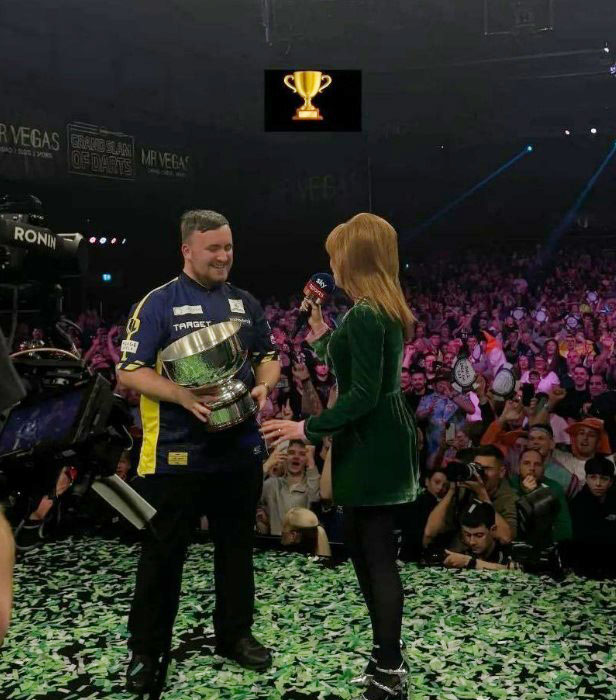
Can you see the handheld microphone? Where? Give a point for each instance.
(317, 290)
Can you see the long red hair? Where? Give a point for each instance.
(364, 252)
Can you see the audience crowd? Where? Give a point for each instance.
(539, 460)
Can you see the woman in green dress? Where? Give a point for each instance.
(374, 446)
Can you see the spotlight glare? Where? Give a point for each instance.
(114, 241)
(103, 240)
(530, 149)
(593, 130)
(606, 48)
(123, 241)
(567, 132)
(92, 239)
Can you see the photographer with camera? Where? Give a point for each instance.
(484, 480)
(527, 485)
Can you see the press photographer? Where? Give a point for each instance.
(482, 479)
(542, 501)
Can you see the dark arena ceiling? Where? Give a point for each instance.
(451, 90)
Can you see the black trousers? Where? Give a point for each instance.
(369, 536)
(229, 501)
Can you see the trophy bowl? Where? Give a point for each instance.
(209, 358)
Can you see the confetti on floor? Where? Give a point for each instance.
(469, 634)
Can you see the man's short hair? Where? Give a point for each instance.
(443, 375)
(545, 427)
(416, 369)
(296, 441)
(200, 220)
(490, 451)
(530, 449)
(478, 514)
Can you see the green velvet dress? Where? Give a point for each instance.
(374, 447)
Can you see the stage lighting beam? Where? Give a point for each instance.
(448, 207)
(572, 214)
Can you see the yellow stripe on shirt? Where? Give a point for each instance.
(150, 421)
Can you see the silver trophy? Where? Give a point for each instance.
(209, 358)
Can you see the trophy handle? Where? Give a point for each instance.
(327, 81)
(286, 80)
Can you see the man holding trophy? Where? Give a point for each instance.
(201, 354)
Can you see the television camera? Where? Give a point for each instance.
(55, 412)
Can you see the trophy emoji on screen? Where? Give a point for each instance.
(307, 84)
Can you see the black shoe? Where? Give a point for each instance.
(368, 674)
(247, 652)
(366, 677)
(143, 674)
(388, 684)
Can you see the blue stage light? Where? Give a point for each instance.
(570, 217)
(465, 195)
(106, 277)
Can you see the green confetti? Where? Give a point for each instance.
(471, 634)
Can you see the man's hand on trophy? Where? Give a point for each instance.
(197, 405)
(259, 394)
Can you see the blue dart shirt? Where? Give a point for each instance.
(175, 441)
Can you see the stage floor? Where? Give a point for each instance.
(469, 634)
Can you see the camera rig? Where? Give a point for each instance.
(55, 412)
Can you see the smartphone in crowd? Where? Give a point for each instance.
(542, 402)
(528, 392)
(450, 432)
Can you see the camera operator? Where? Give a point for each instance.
(489, 485)
(532, 477)
(482, 548)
